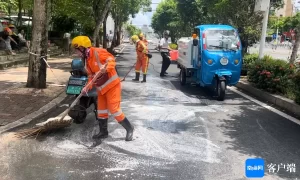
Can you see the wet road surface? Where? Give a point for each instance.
(180, 133)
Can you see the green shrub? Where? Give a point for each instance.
(296, 82)
(249, 59)
(271, 74)
(274, 75)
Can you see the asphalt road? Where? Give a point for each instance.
(180, 133)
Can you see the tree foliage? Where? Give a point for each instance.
(121, 10)
(63, 23)
(5, 4)
(79, 10)
(293, 23)
(184, 15)
(276, 22)
(132, 30)
(276, 4)
(166, 17)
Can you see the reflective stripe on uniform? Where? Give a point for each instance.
(97, 58)
(86, 68)
(146, 68)
(117, 113)
(109, 59)
(108, 81)
(102, 111)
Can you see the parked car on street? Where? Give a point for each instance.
(126, 40)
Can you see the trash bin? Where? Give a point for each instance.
(174, 55)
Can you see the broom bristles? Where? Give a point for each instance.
(49, 126)
(54, 124)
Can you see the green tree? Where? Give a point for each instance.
(37, 67)
(100, 9)
(121, 11)
(63, 23)
(293, 23)
(166, 17)
(276, 4)
(132, 30)
(192, 13)
(5, 4)
(87, 13)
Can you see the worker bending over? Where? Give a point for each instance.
(108, 84)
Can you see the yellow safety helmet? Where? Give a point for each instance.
(82, 41)
(134, 38)
(141, 35)
(11, 26)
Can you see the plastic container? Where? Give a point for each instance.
(174, 55)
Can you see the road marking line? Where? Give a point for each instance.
(297, 121)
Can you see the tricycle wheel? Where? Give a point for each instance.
(182, 77)
(221, 90)
(79, 112)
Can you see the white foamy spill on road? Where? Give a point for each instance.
(165, 141)
(162, 131)
(65, 149)
(156, 90)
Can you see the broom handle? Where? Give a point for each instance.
(65, 113)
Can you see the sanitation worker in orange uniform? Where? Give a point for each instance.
(108, 85)
(142, 58)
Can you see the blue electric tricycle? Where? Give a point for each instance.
(211, 58)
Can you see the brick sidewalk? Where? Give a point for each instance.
(16, 101)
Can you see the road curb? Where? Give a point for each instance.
(281, 102)
(27, 119)
(22, 62)
(119, 49)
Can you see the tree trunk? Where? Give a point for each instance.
(98, 41)
(115, 34)
(104, 42)
(19, 13)
(295, 47)
(119, 34)
(99, 16)
(39, 44)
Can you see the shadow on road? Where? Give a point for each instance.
(253, 129)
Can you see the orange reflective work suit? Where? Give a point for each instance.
(142, 58)
(145, 41)
(109, 94)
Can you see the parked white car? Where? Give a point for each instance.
(126, 40)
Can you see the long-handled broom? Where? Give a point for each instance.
(57, 122)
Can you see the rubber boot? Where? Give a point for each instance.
(144, 78)
(137, 76)
(103, 133)
(129, 129)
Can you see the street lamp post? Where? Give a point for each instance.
(277, 31)
(266, 9)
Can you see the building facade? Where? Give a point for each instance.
(287, 10)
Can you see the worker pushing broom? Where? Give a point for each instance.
(100, 67)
